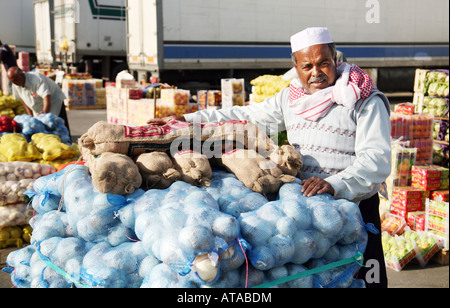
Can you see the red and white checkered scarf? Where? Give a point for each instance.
(352, 85)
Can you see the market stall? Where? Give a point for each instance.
(415, 208)
(205, 226)
(137, 214)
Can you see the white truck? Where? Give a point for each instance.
(44, 27)
(202, 40)
(87, 34)
(177, 38)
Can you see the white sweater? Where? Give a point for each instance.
(355, 166)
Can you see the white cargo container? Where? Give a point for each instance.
(44, 32)
(87, 34)
(178, 39)
(248, 34)
(17, 24)
(89, 27)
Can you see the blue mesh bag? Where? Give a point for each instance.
(185, 229)
(295, 229)
(232, 195)
(123, 266)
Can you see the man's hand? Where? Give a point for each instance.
(164, 121)
(316, 186)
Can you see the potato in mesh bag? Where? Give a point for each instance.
(91, 214)
(295, 229)
(56, 126)
(30, 125)
(18, 265)
(16, 148)
(65, 253)
(232, 196)
(186, 231)
(105, 266)
(162, 276)
(12, 192)
(51, 224)
(15, 215)
(52, 148)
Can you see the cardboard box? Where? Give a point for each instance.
(416, 220)
(140, 111)
(405, 108)
(408, 193)
(440, 195)
(429, 177)
(233, 92)
(175, 96)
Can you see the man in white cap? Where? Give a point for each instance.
(340, 124)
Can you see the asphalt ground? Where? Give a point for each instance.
(433, 275)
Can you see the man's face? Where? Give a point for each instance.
(316, 68)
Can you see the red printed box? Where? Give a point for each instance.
(405, 108)
(426, 172)
(407, 203)
(399, 212)
(407, 207)
(433, 184)
(440, 195)
(408, 192)
(416, 220)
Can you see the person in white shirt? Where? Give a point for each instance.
(340, 124)
(39, 94)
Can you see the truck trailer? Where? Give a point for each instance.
(175, 39)
(87, 34)
(181, 41)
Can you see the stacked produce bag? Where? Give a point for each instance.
(16, 178)
(30, 148)
(43, 139)
(266, 86)
(399, 250)
(10, 107)
(432, 91)
(209, 99)
(202, 228)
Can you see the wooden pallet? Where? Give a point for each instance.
(93, 107)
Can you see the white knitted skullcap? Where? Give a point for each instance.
(310, 37)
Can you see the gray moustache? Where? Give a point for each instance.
(318, 79)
